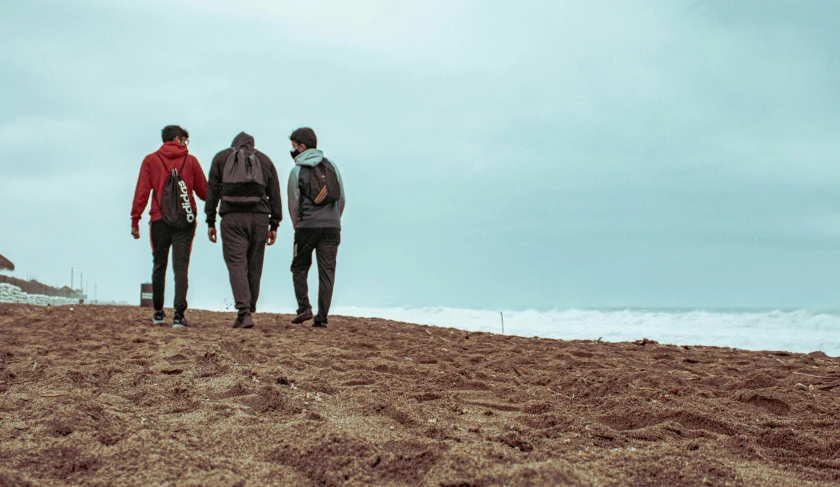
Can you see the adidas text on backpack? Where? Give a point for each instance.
(174, 201)
(243, 182)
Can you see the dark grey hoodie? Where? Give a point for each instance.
(271, 204)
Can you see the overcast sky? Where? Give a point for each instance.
(536, 154)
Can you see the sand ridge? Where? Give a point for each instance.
(98, 396)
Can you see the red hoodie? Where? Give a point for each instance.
(154, 174)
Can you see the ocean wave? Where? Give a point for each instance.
(794, 331)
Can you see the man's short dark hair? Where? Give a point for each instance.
(169, 133)
(305, 136)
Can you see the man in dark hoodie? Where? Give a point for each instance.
(154, 173)
(249, 220)
(317, 227)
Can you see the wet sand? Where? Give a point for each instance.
(99, 396)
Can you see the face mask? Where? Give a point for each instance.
(295, 153)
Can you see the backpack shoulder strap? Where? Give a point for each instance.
(262, 167)
(154, 191)
(160, 158)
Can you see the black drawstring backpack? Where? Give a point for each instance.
(174, 201)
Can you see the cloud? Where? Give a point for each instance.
(492, 142)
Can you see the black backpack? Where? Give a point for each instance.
(323, 187)
(174, 201)
(243, 182)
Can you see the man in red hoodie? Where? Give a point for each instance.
(155, 171)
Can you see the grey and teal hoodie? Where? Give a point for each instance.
(305, 213)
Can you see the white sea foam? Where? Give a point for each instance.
(794, 331)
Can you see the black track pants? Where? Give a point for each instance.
(243, 244)
(324, 241)
(180, 240)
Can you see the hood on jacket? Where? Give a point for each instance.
(309, 157)
(243, 141)
(173, 150)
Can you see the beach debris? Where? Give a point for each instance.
(814, 376)
(645, 341)
(802, 386)
(57, 395)
(818, 354)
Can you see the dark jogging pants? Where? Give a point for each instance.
(243, 244)
(180, 240)
(324, 241)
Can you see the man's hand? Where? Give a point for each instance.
(211, 234)
(272, 237)
(135, 232)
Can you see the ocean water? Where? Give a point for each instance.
(792, 331)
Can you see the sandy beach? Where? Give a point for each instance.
(96, 395)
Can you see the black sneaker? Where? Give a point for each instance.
(159, 318)
(319, 324)
(301, 317)
(180, 322)
(244, 321)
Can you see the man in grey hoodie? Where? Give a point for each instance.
(317, 227)
(247, 227)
